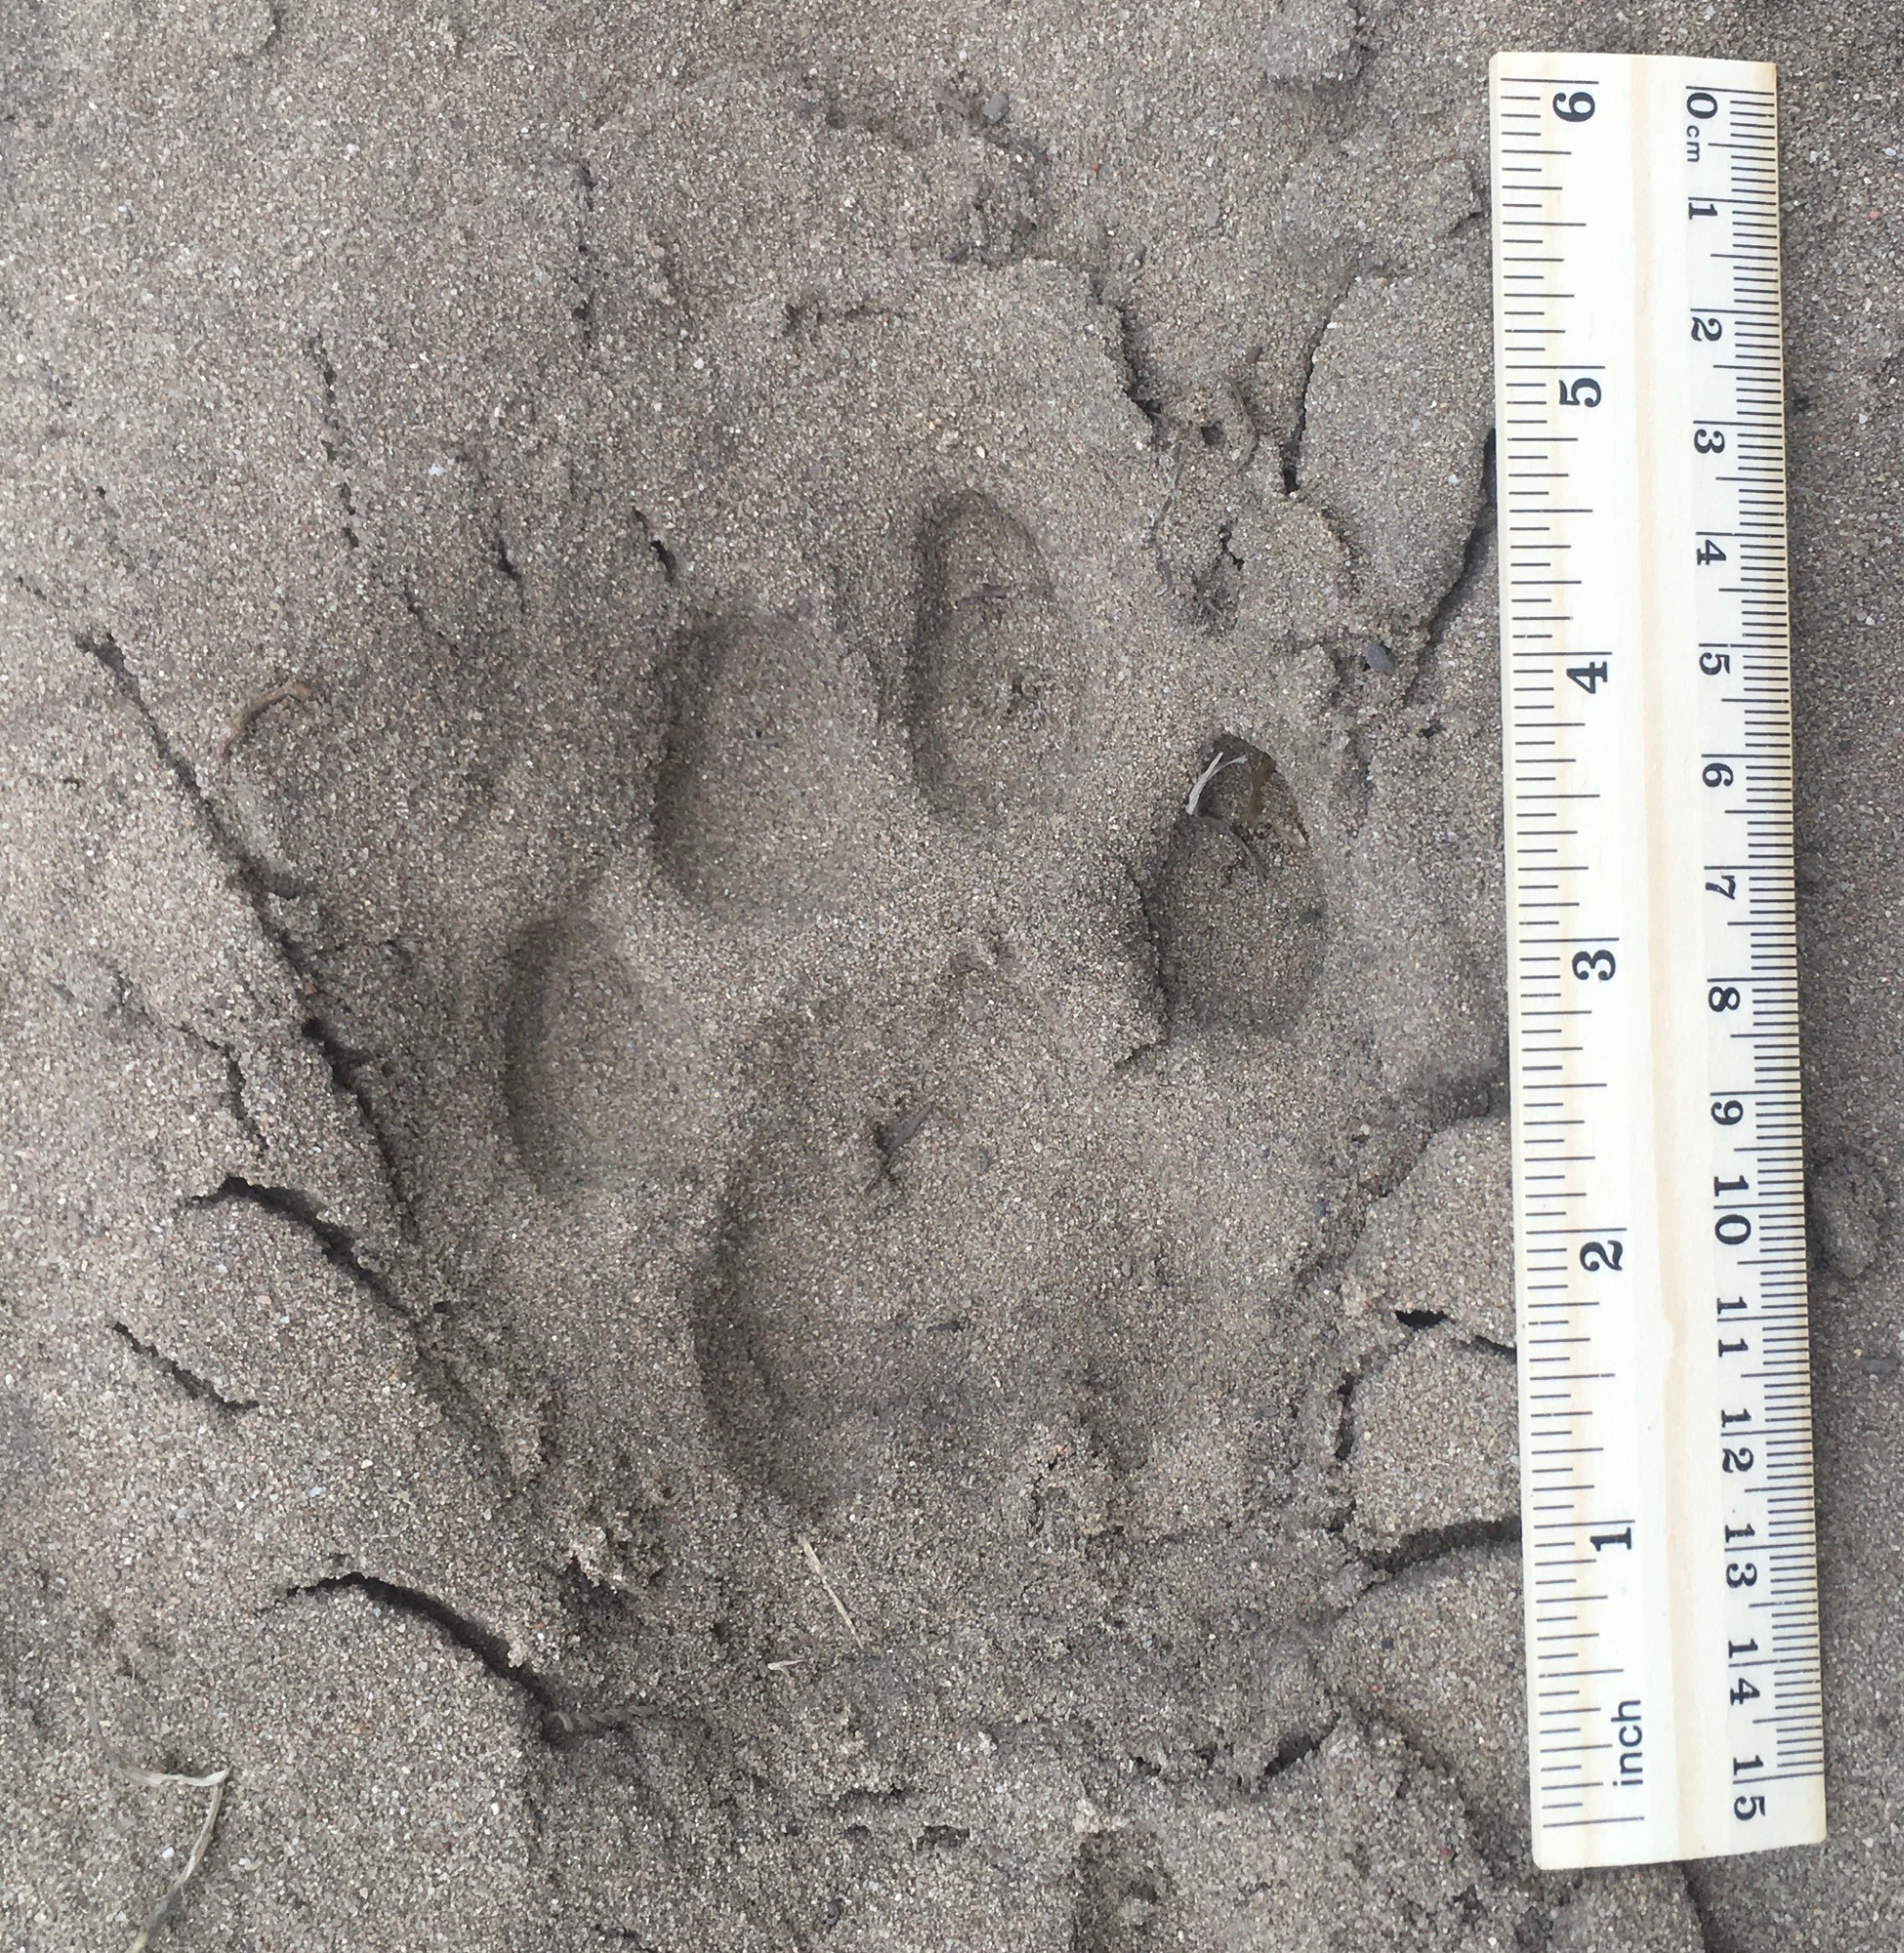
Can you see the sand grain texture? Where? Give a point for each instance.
(684, 1259)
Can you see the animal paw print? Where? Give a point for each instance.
(1237, 904)
(926, 1254)
(911, 1274)
(757, 809)
(598, 1072)
(997, 688)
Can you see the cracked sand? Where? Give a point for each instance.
(772, 543)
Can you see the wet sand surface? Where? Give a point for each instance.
(752, 1038)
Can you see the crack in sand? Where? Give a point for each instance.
(250, 880)
(561, 1722)
(1434, 1543)
(336, 440)
(336, 1243)
(1710, 1938)
(196, 1387)
(1472, 554)
(490, 1648)
(584, 311)
(1292, 447)
(1143, 391)
(234, 1085)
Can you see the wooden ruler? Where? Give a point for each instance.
(1673, 1683)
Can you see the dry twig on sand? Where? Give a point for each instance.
(292, 687)
(819, 1573)
(1208, 774)
(147, 1779)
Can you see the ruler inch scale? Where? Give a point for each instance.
(1668, 1535)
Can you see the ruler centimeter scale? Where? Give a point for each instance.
(1668, 1541)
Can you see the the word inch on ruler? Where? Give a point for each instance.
(1668, 1543)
